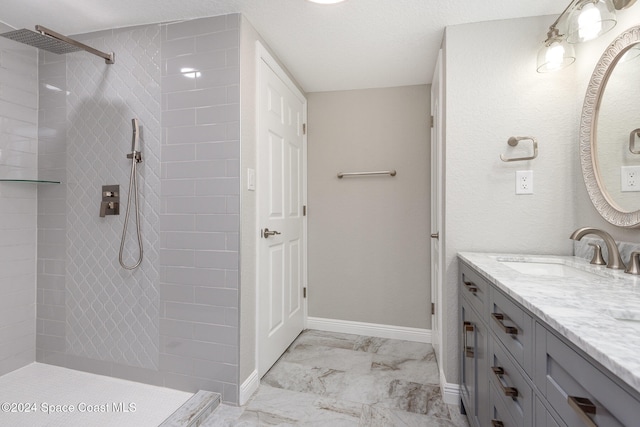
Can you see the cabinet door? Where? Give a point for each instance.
(467, 359)
(474, 364)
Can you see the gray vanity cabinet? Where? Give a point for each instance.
(518, 371)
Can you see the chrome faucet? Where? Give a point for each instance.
(614, 259)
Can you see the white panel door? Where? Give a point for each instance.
(436, 208)
(281, 166)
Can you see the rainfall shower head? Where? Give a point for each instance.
(40, 41)
(46, 39)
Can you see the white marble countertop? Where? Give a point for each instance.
(581, 309)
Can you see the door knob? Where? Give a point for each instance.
(266, 233)
(435, 235)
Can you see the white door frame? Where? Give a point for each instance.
(437, 208)
(262, 54)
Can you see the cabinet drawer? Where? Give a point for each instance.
(499, 415)
(514, 328)
(543, 417)
(474, 289)
(581, 393)
(511, 387)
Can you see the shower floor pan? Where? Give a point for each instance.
(46, 395)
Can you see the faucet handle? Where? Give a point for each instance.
(634, 263)
(597, 255)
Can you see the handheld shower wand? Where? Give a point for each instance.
(135, 142)
(136, 157)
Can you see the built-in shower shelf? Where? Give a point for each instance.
(31, 181)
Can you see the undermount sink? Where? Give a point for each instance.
(534, 268)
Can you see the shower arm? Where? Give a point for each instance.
(109, 58)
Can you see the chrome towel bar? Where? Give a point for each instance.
(343, 174)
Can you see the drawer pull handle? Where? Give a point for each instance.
(583, 406)
(499, 318)
(471, 287)
(497, 423)
(508, 391)
(467, 327)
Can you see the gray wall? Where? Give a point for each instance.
(248, 259)
(369, 237)
(18, 203)
(173, 321)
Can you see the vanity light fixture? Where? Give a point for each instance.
(556, 53)
(588, 19)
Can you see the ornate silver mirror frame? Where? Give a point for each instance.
(603, 202)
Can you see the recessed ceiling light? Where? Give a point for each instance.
(327, 1)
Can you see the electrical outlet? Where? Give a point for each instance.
(524, 182)
(630, 178)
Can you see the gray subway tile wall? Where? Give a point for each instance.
(199, 223)
(194, 227)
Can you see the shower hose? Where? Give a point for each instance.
(133, 188)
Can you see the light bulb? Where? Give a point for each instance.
(589, 22)
(590, 19)
(554, 56)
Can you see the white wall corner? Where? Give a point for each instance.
(248, 387)
(370, 329)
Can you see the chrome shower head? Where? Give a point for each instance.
(40, 41)
(46, 39)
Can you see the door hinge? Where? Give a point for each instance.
(433, 308)
(304, 292)
(304, 210)
(431, 121)
(304, 128)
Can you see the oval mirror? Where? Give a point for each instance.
(610, 132)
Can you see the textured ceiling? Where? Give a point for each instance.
(352, 45)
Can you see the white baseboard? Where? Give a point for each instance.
(370, 329)
(248, 387)
(450, 392)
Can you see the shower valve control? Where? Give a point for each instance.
(135, 155)
(110, 204)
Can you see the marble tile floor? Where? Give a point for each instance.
(332, 379)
